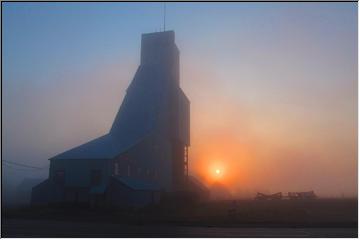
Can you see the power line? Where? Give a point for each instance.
(23, 165)
(20, 168)
(15, 168)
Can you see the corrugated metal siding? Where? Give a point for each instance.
(121, 195)
(78, 172)
(184, 118)
(153, 120)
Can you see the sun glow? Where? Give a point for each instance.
(223, 159)
(216, 171)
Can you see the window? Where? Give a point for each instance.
(95, 177)
(116, 168)
(59, 177)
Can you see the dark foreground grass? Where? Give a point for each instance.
(240, 213)
(242, 218)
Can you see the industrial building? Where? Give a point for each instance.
(145, 153)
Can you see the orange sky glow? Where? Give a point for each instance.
(274, 103)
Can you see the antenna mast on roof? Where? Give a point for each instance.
(164, 16)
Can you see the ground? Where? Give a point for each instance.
(241, 218)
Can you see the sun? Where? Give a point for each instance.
(217, 173)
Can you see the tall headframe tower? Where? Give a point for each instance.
(150, 135)
(145, 151)
(156, 106)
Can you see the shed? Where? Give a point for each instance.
(127, 191)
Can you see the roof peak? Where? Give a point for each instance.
(166, 36)
(160, 32)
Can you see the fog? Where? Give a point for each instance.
(273, 88)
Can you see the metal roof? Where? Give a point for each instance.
(98, 189)
(198, 183)
(104, 147)
(145, 106)
(137, 184)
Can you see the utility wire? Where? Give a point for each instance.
(23, 165)
(18, 168)
(11, 167)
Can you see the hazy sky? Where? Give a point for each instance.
(273, 86)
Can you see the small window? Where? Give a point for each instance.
(116, 168)
(60, 177)
(95, 177)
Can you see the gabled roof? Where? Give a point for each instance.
(98, 189)
(198, 184)
(138, 117)
(137, 184)
(145, 108)
(28, 183)
(104, 147)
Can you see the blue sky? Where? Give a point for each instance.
(282, 76)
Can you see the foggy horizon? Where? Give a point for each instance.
(273, 88)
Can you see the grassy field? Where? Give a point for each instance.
(276, 213)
